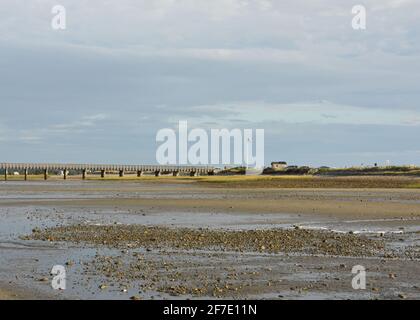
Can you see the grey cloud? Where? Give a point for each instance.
(147, 64)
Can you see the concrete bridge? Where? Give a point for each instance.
(103, 169)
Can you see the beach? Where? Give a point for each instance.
(243, 238)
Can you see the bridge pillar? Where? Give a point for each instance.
(139, 173)
(157, 173)
(102, 173)
(193, 173)
(65, 174)
(84, 174)
(175, 173)
(5, 174)
(26, 174)
(45, 174)
(121, 173)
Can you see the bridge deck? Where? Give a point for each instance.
(140, 169)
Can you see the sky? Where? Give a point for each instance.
(99, 91)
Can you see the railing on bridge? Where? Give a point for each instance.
(157, 170)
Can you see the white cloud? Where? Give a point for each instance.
(392, 4)
(321, 112)
(84, 122)
(38, 134)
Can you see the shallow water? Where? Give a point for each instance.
(25, 262)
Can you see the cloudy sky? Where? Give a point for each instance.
(101, 89)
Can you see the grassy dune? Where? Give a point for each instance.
(312, 182)
(369, 171)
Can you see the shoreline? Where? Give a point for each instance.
(244, 181)
(343, 209)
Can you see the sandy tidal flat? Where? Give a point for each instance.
(161, 240)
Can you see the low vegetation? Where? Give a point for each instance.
(296, 177)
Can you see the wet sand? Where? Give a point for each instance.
(207, 241)
(6, 295)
